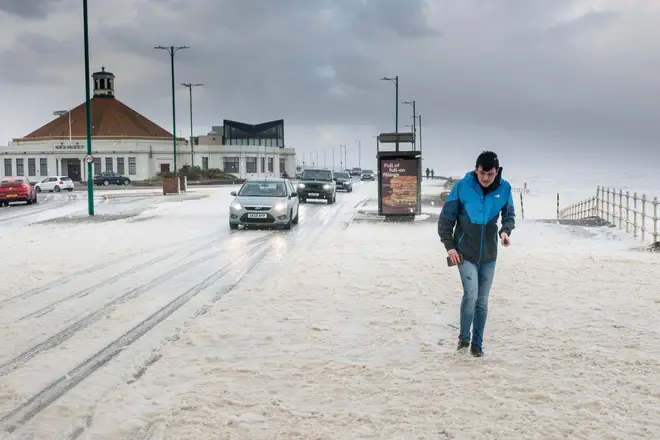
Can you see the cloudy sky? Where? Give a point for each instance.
(550, 80)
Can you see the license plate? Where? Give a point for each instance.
(12, 195)
(314, 194)
(257, 216)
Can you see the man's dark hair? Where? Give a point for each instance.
(487, 161)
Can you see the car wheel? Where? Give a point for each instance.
(295, 220)
(233, 225)
(70, 189)
(38, 189)
(57, 189)
(106, 182)
(127, 182)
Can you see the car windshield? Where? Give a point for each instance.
(367, 172)
(342, 175)
(263, 189)
(12, 182)
(317, 175)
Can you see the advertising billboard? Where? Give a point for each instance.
(399, 183)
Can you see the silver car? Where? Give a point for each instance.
(264, 202)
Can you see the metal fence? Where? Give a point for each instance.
(638, 214)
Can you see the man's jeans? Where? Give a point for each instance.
(477, 281)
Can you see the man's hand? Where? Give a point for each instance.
(506, 241)
(453, 256)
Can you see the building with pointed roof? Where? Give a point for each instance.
(127, 142)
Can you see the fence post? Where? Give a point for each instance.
(643, 216)
(620, 209)
(557, 206)
(655, 220)
(627, 212)
(522, 207)
(635, 198)
(602, 203)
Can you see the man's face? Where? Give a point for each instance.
(486, 178)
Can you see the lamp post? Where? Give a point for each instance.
(172, 50)
(414, 130)
(395, 80)
(88, 114)
(420, 137)
(62, 113)
(192, 153)
(359, 154)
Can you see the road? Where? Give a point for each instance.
(80, 333)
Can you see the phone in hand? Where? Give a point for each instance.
(451, 263)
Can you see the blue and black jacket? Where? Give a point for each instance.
(474, 211)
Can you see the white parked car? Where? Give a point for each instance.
(55, 183)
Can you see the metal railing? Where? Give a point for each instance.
(638, 214)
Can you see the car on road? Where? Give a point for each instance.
(317, 184)
(343, 181)
(367, 175)
(55, 183)
(109, 177)
(17, 189)
(264, 202)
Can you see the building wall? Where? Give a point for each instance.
(141, 159)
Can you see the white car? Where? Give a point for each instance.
(55, 183)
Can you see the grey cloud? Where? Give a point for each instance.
(518, 64)
(28, 8)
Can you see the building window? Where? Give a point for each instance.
(32, 167)
(43, 166)
(230, 164)
(108, 163)
(19, 167)
(132, 166)
(205, 163)
(120, 165)
(282, 165)
(251, 165)
(9, 169)
(97, 165)
(270, 165)
(263, 165)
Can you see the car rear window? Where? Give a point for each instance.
(65, 178)
(12, 182)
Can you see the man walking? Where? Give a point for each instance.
(474, 205)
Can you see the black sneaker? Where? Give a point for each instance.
(462, 345)
(476, 351)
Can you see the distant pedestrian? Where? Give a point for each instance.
(473, 206)
(432, 174)
(428, 172)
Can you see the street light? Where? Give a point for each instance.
(359, 154)
(192, 153)
(395, 80)
(172, 50)
(88, 114)
(420, 138)
(62, 113)
(414, 122)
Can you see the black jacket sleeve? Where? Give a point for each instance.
(448, 218)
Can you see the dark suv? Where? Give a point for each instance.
(108, 177)
(317, 184)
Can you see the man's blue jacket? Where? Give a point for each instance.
(475, 211)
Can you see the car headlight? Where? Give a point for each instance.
(326, 186)
(236, 206)
(280, 207)
(301, 185)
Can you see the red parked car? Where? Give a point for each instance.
(17, 189)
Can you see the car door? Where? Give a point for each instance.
(295, 201)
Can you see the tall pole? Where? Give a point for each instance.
(333, 157)
(70, 136)
(88, 115)
(420, 138)
(192, 152)
(414, 124)
(345, 163)
(359, 153)
(172, 50)
(395, 80)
